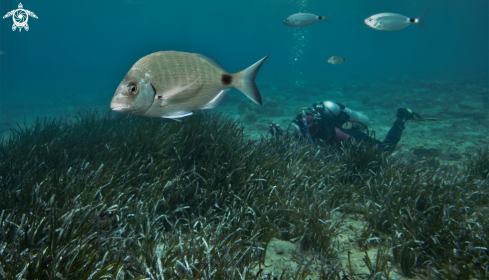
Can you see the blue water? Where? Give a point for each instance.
(79, 51)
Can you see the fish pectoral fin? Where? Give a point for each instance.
(178, 115)
(176, 90)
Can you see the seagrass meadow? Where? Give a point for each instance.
(125, 197)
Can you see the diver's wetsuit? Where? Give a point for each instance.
(391, 139)
(331, 132)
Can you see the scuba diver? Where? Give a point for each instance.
(275, 129)
(334, 123)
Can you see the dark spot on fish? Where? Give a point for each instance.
(226, 79)
(320, 17)
(160, 96)
(154, 90)
(412, 20)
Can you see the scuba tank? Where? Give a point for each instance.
(337, 112)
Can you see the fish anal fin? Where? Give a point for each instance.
(214, 103)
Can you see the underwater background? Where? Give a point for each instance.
(77, 52)
(89, 194)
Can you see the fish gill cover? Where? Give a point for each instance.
(95, 195)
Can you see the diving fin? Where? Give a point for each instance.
(408, 114)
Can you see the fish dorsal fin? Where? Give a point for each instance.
(175, 90)
(217, 100)
(212, 61)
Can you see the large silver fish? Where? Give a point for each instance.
(172, 84)
(391, 21)
(303, 19)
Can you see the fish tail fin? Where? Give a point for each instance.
(420, 20)
(325, 18)
(245, 81)
(346, 59)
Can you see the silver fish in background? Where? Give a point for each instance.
(336, 59)
(304, 19)
(2, 53)
(391, 21)
(172, 84)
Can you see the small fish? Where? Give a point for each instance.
(171, 84)
(303, 19)
(336, 59)
(391, 21)
(2, 53)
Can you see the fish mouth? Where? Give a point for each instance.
(118, 106)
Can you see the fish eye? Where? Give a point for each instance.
(132, 88)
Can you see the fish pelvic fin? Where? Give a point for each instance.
(176, 116)
(325, 18)
(214, 103)
(420, 20)
(244, 81)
